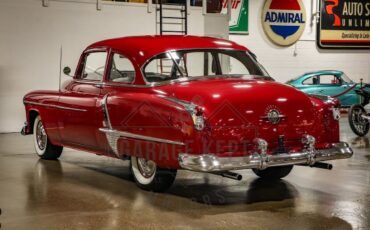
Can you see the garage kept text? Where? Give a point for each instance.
(344, 24)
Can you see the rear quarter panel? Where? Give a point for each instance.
(150, 115)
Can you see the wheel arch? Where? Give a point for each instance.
(32, 114)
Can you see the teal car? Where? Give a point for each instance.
(329, 83)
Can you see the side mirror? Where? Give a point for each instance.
(67, 71)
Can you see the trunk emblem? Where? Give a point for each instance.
(273, 116)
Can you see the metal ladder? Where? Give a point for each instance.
(172, 18)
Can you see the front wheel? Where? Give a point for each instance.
(44, 148)
(359, 125)
(150, 177)
(274, 173)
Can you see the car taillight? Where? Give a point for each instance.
(198, 118)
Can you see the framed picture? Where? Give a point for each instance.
(344, 24)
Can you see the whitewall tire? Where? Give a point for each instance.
(150, 177)
(43, 147)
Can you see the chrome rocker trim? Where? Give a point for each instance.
(139, 137)
(54, 106)
(212, 163)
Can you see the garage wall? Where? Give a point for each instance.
(31, 37)
(286, 63)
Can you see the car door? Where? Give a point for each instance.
(119, 78)
(329, 85)
(324, 84)
(79, 126)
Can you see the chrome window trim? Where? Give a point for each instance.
(54, 106)
(153, 84)
(85, 53)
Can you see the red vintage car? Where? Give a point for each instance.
(183, 102)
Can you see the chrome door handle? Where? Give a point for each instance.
(98, 86)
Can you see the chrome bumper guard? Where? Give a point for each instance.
(212, 163)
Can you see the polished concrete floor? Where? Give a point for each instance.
(84, 191)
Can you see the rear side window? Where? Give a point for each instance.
(94, 66)
(329, 79)
(121, 70)
(314, 80)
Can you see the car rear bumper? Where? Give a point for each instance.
(212, 163)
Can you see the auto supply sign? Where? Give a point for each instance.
(238, 23)
(344, 24)
(283, 21)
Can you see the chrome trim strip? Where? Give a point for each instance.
(189, 106)
(110, 84)
(212, 163)
(104, 106)
(280, 116)
(138, 136)
(54, 106)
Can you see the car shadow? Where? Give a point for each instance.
(254, 191)
(203, 189)
(75, 186)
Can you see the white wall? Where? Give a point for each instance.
(281, 62)
(31, 37)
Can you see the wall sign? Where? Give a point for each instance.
(283, 21)
(344, 24)
(239, 16)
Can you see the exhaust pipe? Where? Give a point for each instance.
(320, 165)
(230, 175)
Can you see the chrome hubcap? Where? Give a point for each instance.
(41, 137)
(146, 167)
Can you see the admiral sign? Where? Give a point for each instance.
(283, 21)
(238, 23)
(344, 24)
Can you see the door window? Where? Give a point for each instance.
(314, 80)
(329, 79)
(121, 69)
(94, 66)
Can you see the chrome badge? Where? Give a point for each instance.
(274, 116)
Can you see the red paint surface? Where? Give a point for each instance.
(285, 5)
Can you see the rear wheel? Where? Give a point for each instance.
(359, 125)
(274, 173)
(44, 148)
(150, 177)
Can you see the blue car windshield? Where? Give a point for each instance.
(346, 79)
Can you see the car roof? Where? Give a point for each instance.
(321, 72)
(142, 48)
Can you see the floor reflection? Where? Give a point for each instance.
(87, 191)
(360, 142)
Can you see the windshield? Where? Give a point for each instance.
(189, 64)
(346, 79)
